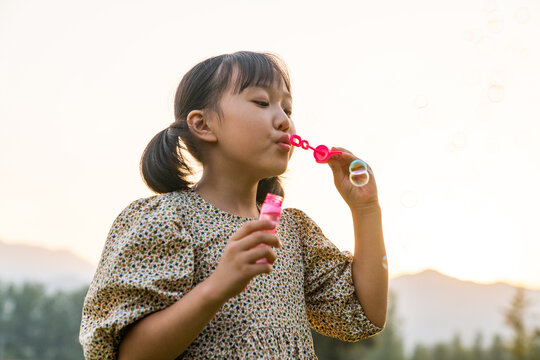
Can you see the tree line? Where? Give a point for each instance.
(40, 326)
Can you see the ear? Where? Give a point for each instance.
(201, 125)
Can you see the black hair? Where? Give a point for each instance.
(163, 166)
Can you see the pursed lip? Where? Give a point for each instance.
(284, 140)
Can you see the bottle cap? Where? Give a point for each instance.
(273, 199)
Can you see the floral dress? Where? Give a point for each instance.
(160, 247)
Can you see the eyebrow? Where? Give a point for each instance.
(272, 90)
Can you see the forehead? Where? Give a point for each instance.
(275, 85)
(274, 90)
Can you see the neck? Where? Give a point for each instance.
(233, 196)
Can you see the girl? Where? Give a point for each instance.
(178, 277)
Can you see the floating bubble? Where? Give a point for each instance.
(495, 23)
(490, 5)
(496, 93)
(427, 116)
(492, 145)
(515, 46)
(475, 36)
(459, 140)
(409, 199)
(385, 262)
(358, 173)
(420, 101)
(523, 15)
(498, 77)
(358, 166)
(523, 139)
(471, 77)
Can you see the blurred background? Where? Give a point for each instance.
(441, 99)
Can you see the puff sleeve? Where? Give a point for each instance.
(146, 265)
(331, 304)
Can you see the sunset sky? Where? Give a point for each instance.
(441, 98)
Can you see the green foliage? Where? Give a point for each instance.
(40, 326)
(522, 343)
(36, 325)
(388, 345)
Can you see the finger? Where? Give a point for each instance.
(256, 269)
(339, 163)
(348, 157)
(257, 238)
(260, 252)
(252, 226)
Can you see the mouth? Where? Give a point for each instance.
(284, 146)
(284, 140)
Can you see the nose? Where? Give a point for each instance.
(283, 122)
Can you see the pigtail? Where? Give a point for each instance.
(163, 167)
(269, 185)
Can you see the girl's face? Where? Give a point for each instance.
(252, 126)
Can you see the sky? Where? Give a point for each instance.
(441, 99)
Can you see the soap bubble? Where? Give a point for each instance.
(491, 145)
(385, 262)
(421, 101)
(495, 23)
(471, 77)
(523, 15)
(409, 199)
(496, 93)
(498, 77)
(523, 139)
(459, 139)
(358, 173)
(490, 5)
(475, 36)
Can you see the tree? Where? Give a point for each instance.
(457, 351)
(34, 325)
(514, 318)
(421, 352)
(535, 345)
(389, 344)
(441, 351)
(497, 351)
(477, 351)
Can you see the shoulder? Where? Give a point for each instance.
(160, 208)
(156, 219)
(297, 217)
(168, 202)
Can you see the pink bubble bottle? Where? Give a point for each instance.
(270, 210)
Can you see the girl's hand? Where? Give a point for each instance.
(357, 197)
(237, 264)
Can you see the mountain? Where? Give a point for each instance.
(432, 307)
(56, 269)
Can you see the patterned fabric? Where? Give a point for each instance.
(162, 246)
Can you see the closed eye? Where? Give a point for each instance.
(265, 104)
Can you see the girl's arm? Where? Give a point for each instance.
(167, 333)
(370, 278)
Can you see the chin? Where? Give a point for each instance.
(278, 170)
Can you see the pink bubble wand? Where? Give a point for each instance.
(358, 174)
